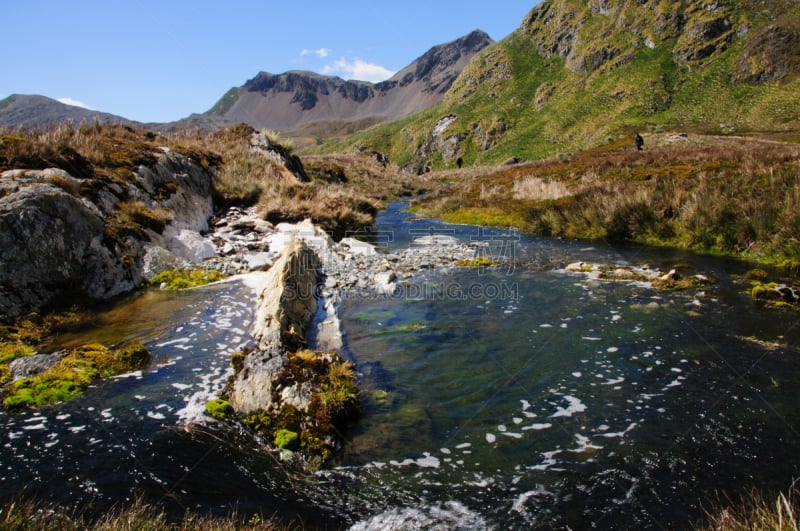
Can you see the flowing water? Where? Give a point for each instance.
(512, 397)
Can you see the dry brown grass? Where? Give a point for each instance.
(755, 512)
(26, 515)
(344, 194)
(730, 195)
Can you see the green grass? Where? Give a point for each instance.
(23, 514)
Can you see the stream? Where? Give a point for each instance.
(518, 396)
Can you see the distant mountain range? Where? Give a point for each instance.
(288, 101)
(579, 74)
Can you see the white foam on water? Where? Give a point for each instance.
(589, 338)
(618, 434)
(133, 374)
(612, 349)
(584, 444)
(156, 416)
(575, 406)
(517, 420)
(538, 426)
(428, 461)
(519, 504)
(512, 434)
(491, 438)
(181, 387)
(462, 446)
(577, 374)
(614, 381)
(172, 342)
(548, 460)
(449, 515)
(76, 429)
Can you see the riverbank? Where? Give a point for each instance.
(730, 196)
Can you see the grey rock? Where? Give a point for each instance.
(33, 365)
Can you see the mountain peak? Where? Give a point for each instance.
(297, 98)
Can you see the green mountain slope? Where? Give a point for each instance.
(579, 73)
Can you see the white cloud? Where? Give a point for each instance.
(322, 52)
(358, 69)
(74, 103)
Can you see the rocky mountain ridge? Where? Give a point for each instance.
(286, 101)
(294, 99)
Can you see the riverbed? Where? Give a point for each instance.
(514, 396)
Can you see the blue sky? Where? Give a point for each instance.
(158, 61)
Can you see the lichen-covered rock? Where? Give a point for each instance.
(52, 244)
(287, 302)
(28, 366)
(66, 240)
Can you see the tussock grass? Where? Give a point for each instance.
(756, 512)
(344, 194)
(536, 188)
(735, 196)
(28, 515)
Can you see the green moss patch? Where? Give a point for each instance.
(480, 261)
(175, 279)
(287, 440)
(74, 373)
(218, 408)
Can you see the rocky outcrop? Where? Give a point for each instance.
(66, 239)
(53, 246)
(296, 397)
(287, 302)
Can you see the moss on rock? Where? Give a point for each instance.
(287, 439)
(218, 408)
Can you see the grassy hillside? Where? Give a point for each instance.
(577, 75)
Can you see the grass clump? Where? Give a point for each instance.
(30, 515)
(755, 511)
(175, 279)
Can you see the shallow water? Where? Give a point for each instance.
(515, 397)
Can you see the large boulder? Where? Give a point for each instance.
(65, 240)
(53, 247)
(287, 302)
